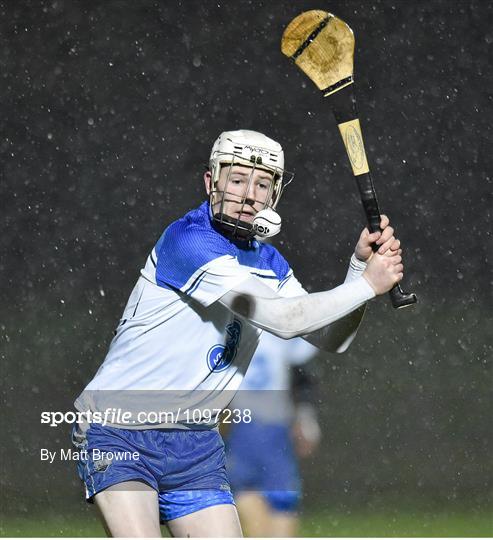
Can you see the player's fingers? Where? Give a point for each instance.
(373, 237)
(395, 245)
(387, 233)
(390, 259)
(392, 244)
(391, 253)
(384, 221)
(386, 245)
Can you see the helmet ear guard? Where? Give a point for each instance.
(249, 149)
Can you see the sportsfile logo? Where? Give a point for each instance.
(119, 417)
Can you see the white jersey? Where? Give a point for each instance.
(266, 388)
(176, 347)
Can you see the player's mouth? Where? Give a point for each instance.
(245, 216)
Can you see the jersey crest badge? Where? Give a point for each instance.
(219, 356)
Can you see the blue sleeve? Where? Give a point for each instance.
(184, 248)
(288, 286)
(271, 258)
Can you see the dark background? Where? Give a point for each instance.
(108, 113)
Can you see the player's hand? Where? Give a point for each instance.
(305, 431)
(384, 239)
(384, 271)
(305, 442)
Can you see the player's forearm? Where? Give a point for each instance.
(339, 335)
(301, 315)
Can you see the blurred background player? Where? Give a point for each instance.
(262, 455)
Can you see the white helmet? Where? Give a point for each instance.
(251, 149)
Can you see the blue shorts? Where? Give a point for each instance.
(260, 457)
(185, 467)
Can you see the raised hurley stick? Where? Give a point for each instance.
(322, 46)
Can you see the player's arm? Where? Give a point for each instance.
(327, 319)
(306, 430)
(302, 315)
(298, 316)
(339, 335)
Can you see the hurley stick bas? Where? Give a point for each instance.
(322, 46)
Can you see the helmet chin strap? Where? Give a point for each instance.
(266, 224)
(233, 228)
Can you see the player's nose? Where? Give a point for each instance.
(251, 195)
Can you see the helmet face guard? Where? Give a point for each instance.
(257, 152)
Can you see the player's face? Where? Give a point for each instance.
(246, 191)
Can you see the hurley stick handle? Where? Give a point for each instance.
(344, 109)
(398, 297)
